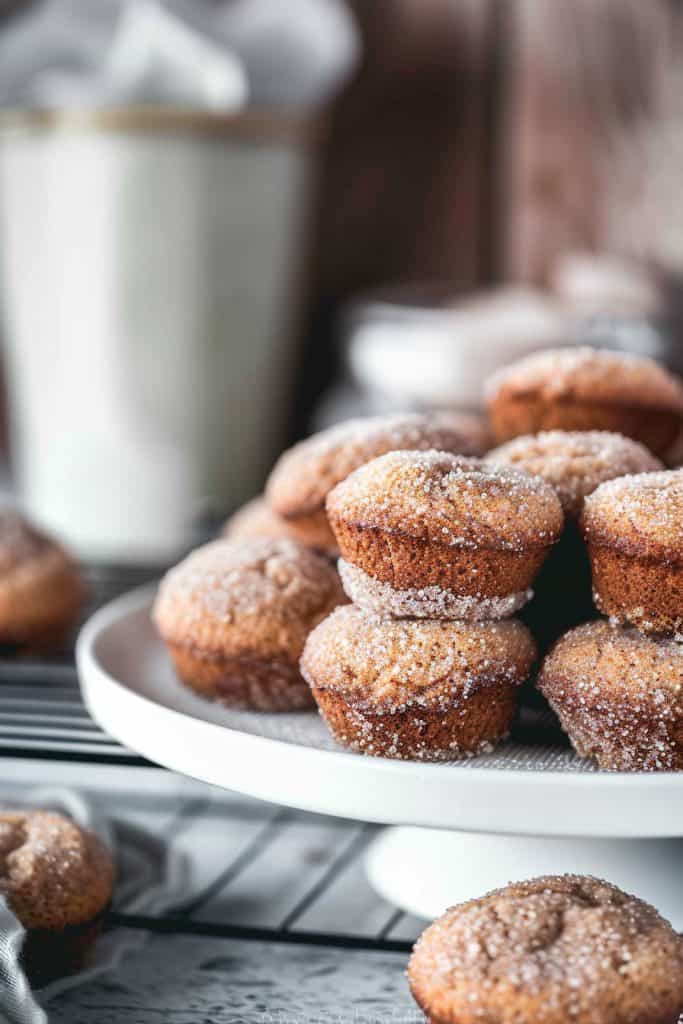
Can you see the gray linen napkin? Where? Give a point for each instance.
(151, 876)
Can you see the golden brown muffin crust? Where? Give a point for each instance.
(390, 664)
(639, 515)
(304, 475)
(575, 463)
(549, 951)
(619, 696)
(463, 730)
(40, 586)
(449, 500)
(591, 375)
(257, 519)
(242, 682)
(254, 599)
(53, 873)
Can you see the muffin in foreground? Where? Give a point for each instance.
(57, 878)
(416, 689)
(235, 617)
(434, 535)
(619, 696)
(633, 527)
(575, 462)
(583, 388)
(41, 590)
(256, 520)
(304, 475)
(549, 951)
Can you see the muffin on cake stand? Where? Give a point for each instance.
(530, 807)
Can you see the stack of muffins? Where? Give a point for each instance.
(436, 549)
(616, 684)
(439, 548)
(235, 614)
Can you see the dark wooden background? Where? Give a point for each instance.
(480, 139)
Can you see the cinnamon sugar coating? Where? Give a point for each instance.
(390, 664)
(633, 527)
(416, 688)
(416, 521)
(451, 501)
(256, 519)
(429, 602)
(41, 591)
(587, 389)
(53, 873)
(235, 617)
(574, 463)
(619, 696)
(551, 950)
(305, 474)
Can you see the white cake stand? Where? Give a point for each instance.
(530, 808)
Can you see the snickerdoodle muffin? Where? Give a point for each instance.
(235, 616)
(587, 389)
(633, 527)
(41, 590)
(550, 951)
(435, 535)
(575, 462)
(304, 475)
(57, 878)
(257, 519)
(618, 695)
(419, 689)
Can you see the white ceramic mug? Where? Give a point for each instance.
(147, 264)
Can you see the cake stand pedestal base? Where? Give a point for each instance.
(424, 871)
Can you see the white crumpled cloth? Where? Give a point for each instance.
(150, 879)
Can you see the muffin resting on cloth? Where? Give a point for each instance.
(416, 688)
(57, 878)
(633, 527)
(235, 616)
(304, 475)
(435, 535)
(41, 590)
(551, 950)
(582, 388)
(619, 696)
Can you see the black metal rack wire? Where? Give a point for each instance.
(42, 714)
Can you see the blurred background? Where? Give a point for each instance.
(226, 223)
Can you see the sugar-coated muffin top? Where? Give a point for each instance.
(588, 374)
(450, 500)
(598, 660)
(575, 462)
(549, 951)
(304, 475)
(255, 520)
(389, 664)
(233, 596)
(640, 515)
(53, 873)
